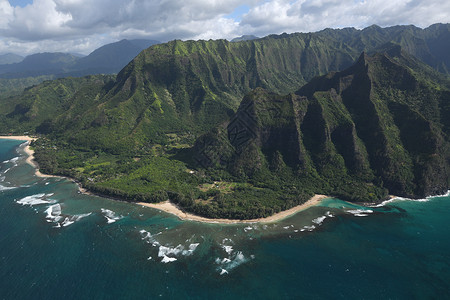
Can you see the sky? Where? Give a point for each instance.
(81, 26)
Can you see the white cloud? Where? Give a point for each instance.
(81, 25)
(313, 15)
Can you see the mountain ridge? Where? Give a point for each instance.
(391, 140)
(264, 139)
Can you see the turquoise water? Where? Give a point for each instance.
(58, 243)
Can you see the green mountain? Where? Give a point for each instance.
(36, 107)
(379, 126)
(16, 86)
(186, 88)
(429, 44)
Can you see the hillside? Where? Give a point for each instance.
(186, 88)
(378, 127)
(203, 123)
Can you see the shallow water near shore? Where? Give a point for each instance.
(58, 243)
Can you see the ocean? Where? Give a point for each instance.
(58, 243)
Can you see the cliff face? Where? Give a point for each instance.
(186, 88)
(379, 123)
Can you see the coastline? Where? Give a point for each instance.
(171, 208)
(28, 151)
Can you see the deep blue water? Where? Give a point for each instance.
(58, 243)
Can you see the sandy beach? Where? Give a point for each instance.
(17, 137)
(171, 208)
(28, 151)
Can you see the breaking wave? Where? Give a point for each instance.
(360, 212)
(426, 199)
(54, 215)
(5, 188)
(110, 215)
(36, 199)
(166, 252)
(233, 260)
(12, 160)
(229, 263)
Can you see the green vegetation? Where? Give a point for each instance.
(13, 87)
(204, 125)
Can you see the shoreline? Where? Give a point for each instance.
(29, 152)
(173, 209)
(169, 207)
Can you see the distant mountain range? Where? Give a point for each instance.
(10, 58)
(107, 59)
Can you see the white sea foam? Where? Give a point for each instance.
(238, 260)
(53, 213)
(248, 228)
(145, 234)
(223, 261)
(223, 272)
(231, 262)
(360, 212)
(35, 199)
(178, 250)
(308, 228)
(228, 249)
(110, 215)
(67, 222)
(426, 199)
(163, 250)
(319, 220)
(167, 259)
(5, 188)
(192, 247)
(12, 160)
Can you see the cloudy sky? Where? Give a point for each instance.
(30, 26)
